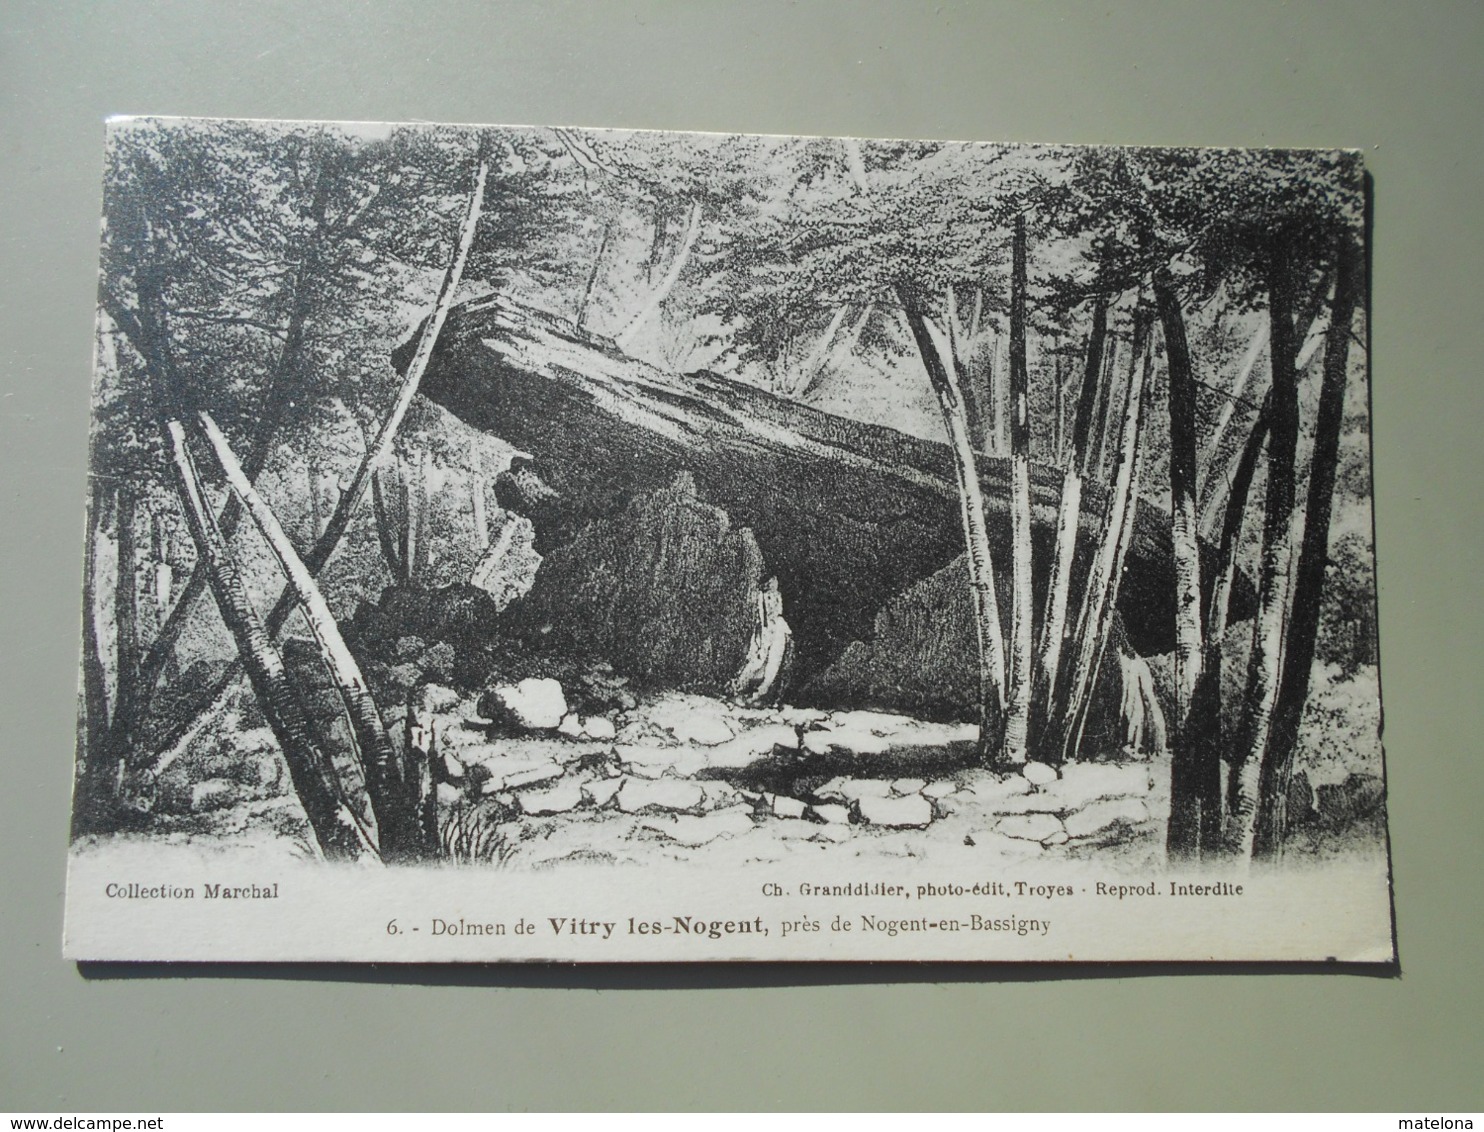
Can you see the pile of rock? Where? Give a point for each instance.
(690, 770)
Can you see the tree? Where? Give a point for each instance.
(1018, 712)
(988, 634)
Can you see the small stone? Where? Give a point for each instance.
(832, 834)
(599, 727)
(786, 807)
(850, 789)
(830, 813)
(600, 792)
(911, 812)
(858, 733)
(535, 704)
(570, 726)
(693, 832)
(662, 794)
(720, 795)
(908, 785)
(531, 775)
(1030, 827)
(1058, 838)
(558, 799)
(453, 769)
(689, 720)
(1101, 815)
(1038, 774)
(987, 786)
(436, 698)
(939, 789)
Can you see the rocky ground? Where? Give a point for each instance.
(526, 782)
(691, 778)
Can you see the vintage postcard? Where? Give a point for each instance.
(536, 543)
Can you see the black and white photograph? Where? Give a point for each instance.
(536, 542)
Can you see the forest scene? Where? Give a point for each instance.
(508, 497)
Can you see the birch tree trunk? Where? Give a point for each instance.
(1195, 775)
(1068, 520)
(1229, 404)
(377, 450)
(1018, 706)
(815, 359)
(840, 351)
(391, 803)
(1105, 428)
(1307, 595)
(286, 372)
(1265, 669)
(626, 336)
(1100, 599)
(988, 634)
(337, 832)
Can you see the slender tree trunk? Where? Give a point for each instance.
(1068, 520)
(988, 634)
(1018, 707)
(660, 293)
(1234, 517)
(817, 356)
(275, 405)
(1100, 599)
(376, 452)
(387, 532)
(1308, 589)
(1058, 424)
(1228, 406)
(842, 350)
(393, 806)
(344, 510)
(338, 834)
(410, 547)
(855, 163)
(1266, 666)
(592, 278)
(126, 603)
(417, 518)
(1000, 384)
(97, 774)
(1195, 776)
(476, 486)
(316, 519)
(1105, 434)
(1206, 708)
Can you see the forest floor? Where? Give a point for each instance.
(690, 778)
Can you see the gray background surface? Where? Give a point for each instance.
(1403, 81)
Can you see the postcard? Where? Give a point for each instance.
(560, 544)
